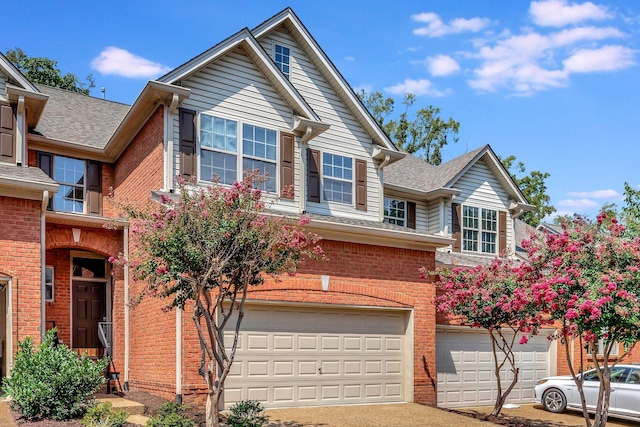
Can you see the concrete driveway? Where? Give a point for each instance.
(411, 414)
(392, 415)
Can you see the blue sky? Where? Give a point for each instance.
(554, 82)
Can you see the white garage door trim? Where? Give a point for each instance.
(465, 367)
(319, 354)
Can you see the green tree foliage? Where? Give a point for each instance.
(630, 213)
(45, 71)
(424, 134)
(203, 250)
(534, 188)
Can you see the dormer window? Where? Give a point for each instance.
(282, 58)
(479, 229)
(395, 211)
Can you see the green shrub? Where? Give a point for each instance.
(103, 415)
(247, 413)
(51, 381)
(171, 415)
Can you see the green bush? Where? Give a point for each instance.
(171, 415)
(247, 413)
(103, 415)
(51, 381)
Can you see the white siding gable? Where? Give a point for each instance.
(3, 86)
(345, 137)
(233, 88)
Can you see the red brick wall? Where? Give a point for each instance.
(140, 167)
(20, 259)
(363, 275)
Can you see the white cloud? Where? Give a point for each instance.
(558, 13)
(113, 60)
(437, 28)
(531, 62)
(606, 58)
(578, 204)
(442, 65)
(598, 194)
(417, 87)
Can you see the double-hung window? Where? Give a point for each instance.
(479, 229)
(395, 211)
(259, 153)
(223, 157)
(282, 58)
(48, 284)
(69, 173)
(337, 174)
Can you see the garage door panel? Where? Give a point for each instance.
(465, 368)
(319, 357)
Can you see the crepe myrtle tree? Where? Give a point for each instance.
(588, 281)
(203, 248)
(496, 297)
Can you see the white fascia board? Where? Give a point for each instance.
(16, 75)
(290, 17)
(28, 184)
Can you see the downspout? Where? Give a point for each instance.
(20, 137)
(382, 165)
(302, 203)
(179, 355)
(126, 309)
(168, 161)
(513, 230)
(43, 263)
(443, 222)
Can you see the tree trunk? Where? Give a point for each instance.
(211, 411)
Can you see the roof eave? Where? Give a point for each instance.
(390, 156)
(396, 238)
(153, 94)
(438, 193)
(34, 102)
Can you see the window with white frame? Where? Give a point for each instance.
(479, 229)
(223, 157)
(282, 58)
(69, 173)
(395, 211)
(49, 284)
(600, 348)
(337, 174)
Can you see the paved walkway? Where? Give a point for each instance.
(396, 415)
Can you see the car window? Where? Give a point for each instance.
(634, 377)
(618, 375)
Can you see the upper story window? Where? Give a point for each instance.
(395, 211)
(69, 173)
(337, 174)
(79, 183)
(222, 156)
(479, 229)
(282, 58)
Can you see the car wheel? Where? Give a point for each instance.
(554, 400)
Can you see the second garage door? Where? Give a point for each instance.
(307, 356)
(466, 371)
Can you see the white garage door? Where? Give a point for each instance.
(466, 371)
(290, 356)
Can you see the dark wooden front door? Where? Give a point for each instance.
(89, 308)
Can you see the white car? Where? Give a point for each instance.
(559, 393)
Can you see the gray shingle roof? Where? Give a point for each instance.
(414, 173)
(20, 173)
(77, 118)
(456, 259)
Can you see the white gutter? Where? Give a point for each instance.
(126, 309)
(385, 162)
